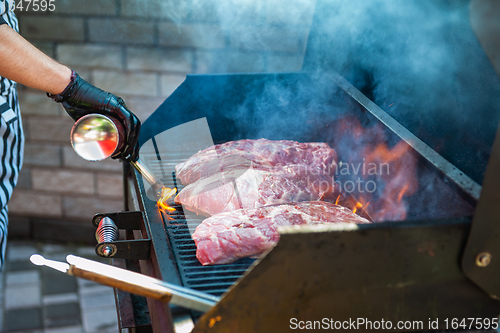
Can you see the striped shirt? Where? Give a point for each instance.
(11, 135)
(7, 17)
(5, 5)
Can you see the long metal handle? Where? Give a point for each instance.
(140, 284)
(131, 282)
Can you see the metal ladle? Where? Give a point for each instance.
(95, 137)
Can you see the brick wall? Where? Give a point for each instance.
(140, 50)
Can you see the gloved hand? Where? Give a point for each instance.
(81, 98)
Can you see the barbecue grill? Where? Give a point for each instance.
(436, 264)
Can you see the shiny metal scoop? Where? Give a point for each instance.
(96, 137)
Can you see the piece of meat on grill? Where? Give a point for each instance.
(227, 237)
(231, 190)
(258, 154)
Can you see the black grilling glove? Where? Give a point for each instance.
(81, 98)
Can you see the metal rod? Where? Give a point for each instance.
(148, 175)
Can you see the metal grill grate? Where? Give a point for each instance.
(214, 279)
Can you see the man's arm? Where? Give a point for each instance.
(21, 62)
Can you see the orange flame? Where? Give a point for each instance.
(358, 205)
(396, 169)
(403, 191)
(165, 195)
(401, 182)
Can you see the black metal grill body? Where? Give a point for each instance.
(254, 106)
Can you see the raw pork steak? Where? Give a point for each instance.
(259, 154)
(226, 237)
(231, 190)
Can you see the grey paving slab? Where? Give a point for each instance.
(42, 300)
(98, 320)
(23, 319)
(22, 297)
(13, 266)
(97, 300)
(53, 248)
(60, 298)
(65, 329)
(57, 315)
(22, 278)
(55, 282)
(21, 252)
